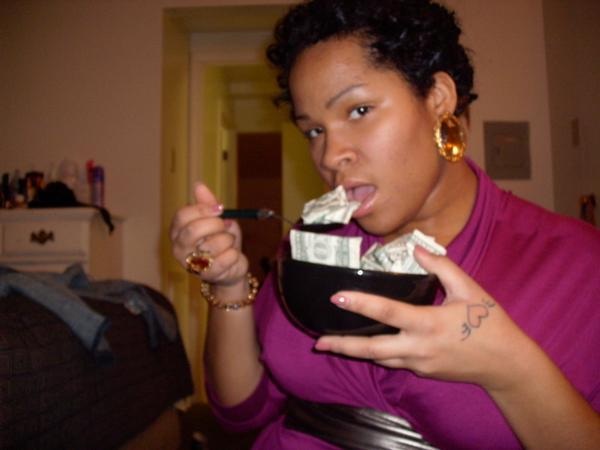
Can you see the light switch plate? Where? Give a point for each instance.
(507, 154)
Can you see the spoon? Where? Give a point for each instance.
(264, 213)
(259, 214)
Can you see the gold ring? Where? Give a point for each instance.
(198, 261)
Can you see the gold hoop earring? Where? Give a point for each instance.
(449, 138)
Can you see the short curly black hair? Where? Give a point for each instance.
(415, 37)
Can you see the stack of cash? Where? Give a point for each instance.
(396, 256)
(332, 207)
(326, 249)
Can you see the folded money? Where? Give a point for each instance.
(326, 249)
(397, 255)
(332, 207)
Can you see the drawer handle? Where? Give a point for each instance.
(42, 237)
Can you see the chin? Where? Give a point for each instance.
(372, 226)
(379, 227)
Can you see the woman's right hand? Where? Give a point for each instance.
(199, 227)
(231, 348)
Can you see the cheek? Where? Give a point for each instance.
(394, 145)
(413, 142)
(408, 156)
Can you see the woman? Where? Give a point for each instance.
(507, 357)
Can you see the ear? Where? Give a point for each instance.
(442, 96)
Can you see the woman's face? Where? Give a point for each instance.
(370, 133)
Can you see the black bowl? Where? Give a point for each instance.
(306, 288)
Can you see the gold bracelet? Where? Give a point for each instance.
(212, 300)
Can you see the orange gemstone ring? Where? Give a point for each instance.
(198, 261)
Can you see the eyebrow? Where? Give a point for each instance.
(333, 99)
(343, 92)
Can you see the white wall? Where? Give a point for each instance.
(573, 48)
(507, 40)
(82, 79)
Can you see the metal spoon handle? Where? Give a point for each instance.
(260, 214)
(247, 214)
(264, 213)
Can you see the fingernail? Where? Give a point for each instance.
(322, 346)
(340, 301)
(218, 208)
(227, 222)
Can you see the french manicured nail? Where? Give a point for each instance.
(322, 346)
(340, 301)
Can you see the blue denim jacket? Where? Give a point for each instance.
(60, 293)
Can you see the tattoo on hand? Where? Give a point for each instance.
(475, 315)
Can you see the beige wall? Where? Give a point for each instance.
(507, 41)
(82, 79)
(573, 45)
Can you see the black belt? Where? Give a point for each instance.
(353, 428)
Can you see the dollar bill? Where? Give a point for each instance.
(398, 255)
(369, 261)
(332, 207)
(326, 249)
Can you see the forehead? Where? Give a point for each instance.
(344, 54)
(329, 66)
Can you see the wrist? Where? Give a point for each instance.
(518, 367)
(231, 297)
(232, 288)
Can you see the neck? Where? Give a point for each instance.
(448, 209)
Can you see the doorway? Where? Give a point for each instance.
(217, 86)
(259, 186)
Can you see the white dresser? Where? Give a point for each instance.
(50, 239)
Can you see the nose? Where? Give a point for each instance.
(338, 152)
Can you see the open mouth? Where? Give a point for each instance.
(363, 194)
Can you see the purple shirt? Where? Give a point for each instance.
(544, 270)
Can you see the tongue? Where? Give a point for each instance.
(359, 193)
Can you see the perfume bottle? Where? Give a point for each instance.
(97, 186)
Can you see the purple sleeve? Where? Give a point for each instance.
(263, 405)
(266, 402)
(595, 399)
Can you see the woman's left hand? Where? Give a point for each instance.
(467, 338)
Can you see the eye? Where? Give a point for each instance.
(313, 133)
(359, 111)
